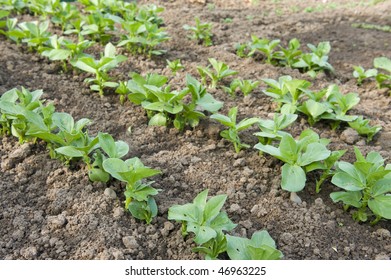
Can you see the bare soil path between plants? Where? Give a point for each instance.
(48, 211)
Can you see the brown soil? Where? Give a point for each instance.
(48, 211)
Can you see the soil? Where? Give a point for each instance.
(49, 211)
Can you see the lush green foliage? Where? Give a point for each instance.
(232, 133)
(366, 186)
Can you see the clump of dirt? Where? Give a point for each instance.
(49, 211)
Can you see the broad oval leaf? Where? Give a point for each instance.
(292, 178)
(348, 198)
(381, 206)
(69, 151)
(314, 152)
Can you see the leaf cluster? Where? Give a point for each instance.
(164, 106)
(205, 220)
(366, 186)
(232, 133)
(219, 71)
(312, 62)
(201, 32)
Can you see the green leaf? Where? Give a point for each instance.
(271, 150)
(213, 206)
(293, 178)
(222, 222)
(347, 182)
(115, 167)
(314, 152)
(106, 142)
(64, 121)
(98, 175)
(187, 212)
(158, 120)
(224, 120)
(381, 206)
(69, 151)
(288, 148)
(202, 233)
(382, 63)
(237, 248)
(209, 103)
(246, 123)
(382, 186)
(349, 198)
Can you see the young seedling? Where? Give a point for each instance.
(35, 34)
(314, 110)
(383, 63)
(361, 74)
(363, 127)
(202, 32)
(247, 86)
(272, 129)
(316, 61)
(234, 85)
(139, 195)
(232, 133)
(108, 61)
(366, 185)
(290, 55)
(286, 91)
(340, 105)
(265, 46)
(204, 219)
(299, 157)
(111, 149)
(261, 246)
(65, 51)
(143, 37)
(221, 71)
(174, 65)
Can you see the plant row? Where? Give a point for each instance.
(26, 117)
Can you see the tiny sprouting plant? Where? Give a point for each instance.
(247, 86)
(164, 106)
(286, 92)
(300, 156)
(64, 14)
(232, 133)
(366, 186)
(174, 65)
(290, 55)
(233, 86)
(143, 37)
(261, 246)
(204, 219)
(99, 68)
(111, 149)
(273, 129)
(264, 46)
(220, 71)
(19, 110)
(383, 79)
(35, 34)
(98, 25)
(363, 127)
(315, 61)
(361, 74)
(60, 49)
(140, 201)
(201, 32)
